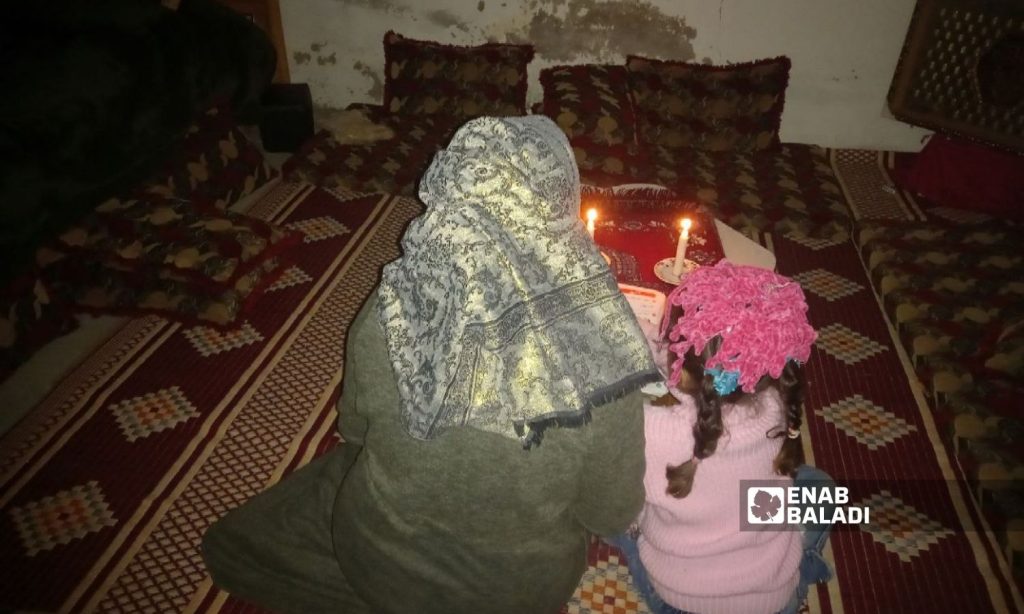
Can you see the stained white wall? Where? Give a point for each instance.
(843, 52)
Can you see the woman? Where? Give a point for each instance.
(490, 408)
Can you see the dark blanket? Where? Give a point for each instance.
(96, 94)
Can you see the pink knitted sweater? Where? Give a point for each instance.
(697, 558)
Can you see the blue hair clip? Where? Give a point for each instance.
(725, 381)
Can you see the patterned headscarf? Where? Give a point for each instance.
(501, 314)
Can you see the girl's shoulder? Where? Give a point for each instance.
(684, 409)
(668, 432)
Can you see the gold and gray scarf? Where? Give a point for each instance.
(501, 314)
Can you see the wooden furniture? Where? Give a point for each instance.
(267, 15)
(959, 70)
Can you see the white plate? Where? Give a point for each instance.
(663, 270)
(628, 187)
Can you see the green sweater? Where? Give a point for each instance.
(467, 522)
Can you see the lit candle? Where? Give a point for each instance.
(684, 239)
(591, 218)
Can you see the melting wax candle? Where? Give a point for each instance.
(591, 218)
(684, 239)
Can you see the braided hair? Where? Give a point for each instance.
(709, 427)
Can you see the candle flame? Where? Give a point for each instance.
(686, 223)
(591, 215)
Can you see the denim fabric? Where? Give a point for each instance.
(813, 568)
(627, 544)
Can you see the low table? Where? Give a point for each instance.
(634, 244)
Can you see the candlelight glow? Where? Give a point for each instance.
(591, 216)
(679, 265)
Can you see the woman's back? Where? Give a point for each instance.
(470, 521)
(481, 440)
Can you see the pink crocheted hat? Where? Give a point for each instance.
(760, 315)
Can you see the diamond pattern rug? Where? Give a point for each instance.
(94, 520)
(62, 517)
(866, 422)
(606, 586)
(108, 485)
(925, 549)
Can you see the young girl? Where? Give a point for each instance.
(737, 337)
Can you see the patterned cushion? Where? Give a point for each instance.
(426, 78)
(987, 414)
(179, 259)
(1006, 358)
(791, 189)
(610, 165)
(590, 103)
(988, 439)
(392, 166)
(215, 164)
(958, 173)
(713, 108)
(29, 318)
(944, 288)
(955, 294)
